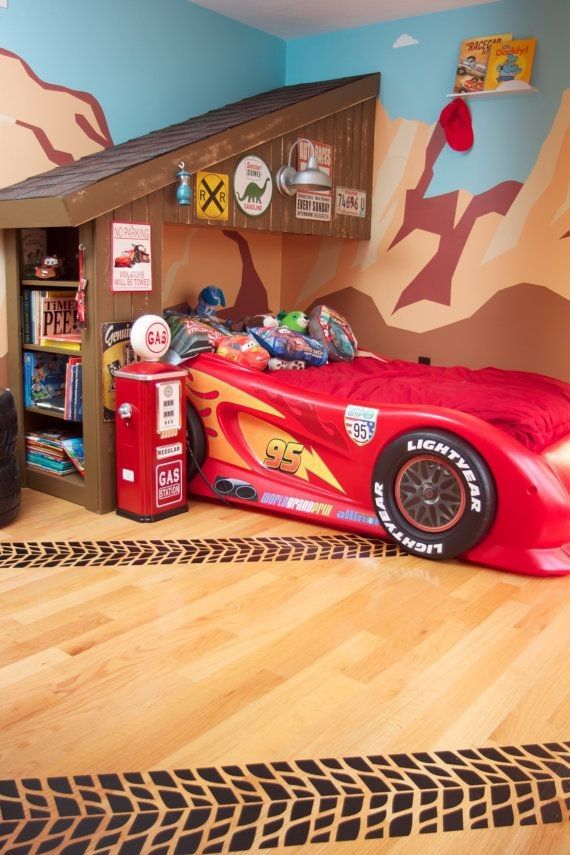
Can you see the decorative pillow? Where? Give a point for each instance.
(243, 350)
(277, 364)
(333, 331)
(287, 344)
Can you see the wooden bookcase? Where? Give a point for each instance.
(95, 491)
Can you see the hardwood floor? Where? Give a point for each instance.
(114, 668)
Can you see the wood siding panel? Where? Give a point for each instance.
(350, 132)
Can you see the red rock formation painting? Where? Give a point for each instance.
(44, 124)
(437, 214)
(436, 264)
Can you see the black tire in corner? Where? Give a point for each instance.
(196, 443)
(8, 424)
(433, 494)
(10, 490)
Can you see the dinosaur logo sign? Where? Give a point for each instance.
(253, 186)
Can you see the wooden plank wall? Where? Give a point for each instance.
(105, 306)
(350, 132)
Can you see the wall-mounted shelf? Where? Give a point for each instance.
(44, 348)
(50, 284)
(492, 93)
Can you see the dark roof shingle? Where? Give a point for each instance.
(94, 167)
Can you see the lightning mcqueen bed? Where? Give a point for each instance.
(444, 461)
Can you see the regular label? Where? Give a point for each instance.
(360, 423)
(164, 451)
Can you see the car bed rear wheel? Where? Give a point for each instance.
(433, 494)
(196, 443)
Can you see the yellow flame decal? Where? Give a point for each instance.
(258, 434)
(218, 445)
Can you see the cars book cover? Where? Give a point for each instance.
(473, 59)
(510, 65)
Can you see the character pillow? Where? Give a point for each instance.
(333, 331)
(243, 350)
(286, 344)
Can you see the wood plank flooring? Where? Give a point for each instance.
(105, 669)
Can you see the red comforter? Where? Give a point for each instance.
(533, 409)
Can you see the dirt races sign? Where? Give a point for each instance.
(316, 205)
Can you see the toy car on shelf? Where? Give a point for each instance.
(439, 482)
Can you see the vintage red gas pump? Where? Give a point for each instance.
(150, 428)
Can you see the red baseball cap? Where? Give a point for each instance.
(455, 120)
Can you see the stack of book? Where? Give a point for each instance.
(53, 382)
(45, 451)
(497, 62)
(49, 318)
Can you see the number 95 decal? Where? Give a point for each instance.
(285, 456)
(360, 423)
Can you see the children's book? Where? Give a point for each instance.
(74, 450)
(44, 380)
(34, 249)
(59, 323)
(473, 59)
(510, 65)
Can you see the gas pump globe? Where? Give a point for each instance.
(150, 428)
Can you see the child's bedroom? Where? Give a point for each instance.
(284, 426)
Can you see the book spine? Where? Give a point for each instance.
(68, 390)
(77, 393)
(28, 366)
(26, 316)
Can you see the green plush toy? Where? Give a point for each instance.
(295, 321)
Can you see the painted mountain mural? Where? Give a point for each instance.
(43, 125)
(477, 279)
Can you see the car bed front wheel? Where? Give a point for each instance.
(433, 494)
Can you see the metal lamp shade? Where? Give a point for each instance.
(311, 178)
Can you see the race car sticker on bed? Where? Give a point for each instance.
(333, 331)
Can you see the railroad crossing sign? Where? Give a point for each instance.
(212, 202)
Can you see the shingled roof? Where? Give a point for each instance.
(62, 195)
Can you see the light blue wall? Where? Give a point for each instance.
(149, 63)
(509, 130)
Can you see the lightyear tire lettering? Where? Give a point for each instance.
(433, 494)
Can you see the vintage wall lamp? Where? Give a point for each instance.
(311, 178)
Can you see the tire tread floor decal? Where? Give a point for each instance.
(94, 553)
(265, 805)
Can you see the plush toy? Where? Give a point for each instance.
(210, 299)
(277, 364)
(243, 350)
(50, 267)
(266, 320)
(295, 321)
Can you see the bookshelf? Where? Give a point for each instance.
(34, 418)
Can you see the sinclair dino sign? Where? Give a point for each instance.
(253, 185)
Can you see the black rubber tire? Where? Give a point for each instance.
(436, 500)
(10, 490)
(196, 443)
(8, 424)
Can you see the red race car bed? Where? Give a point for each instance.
(445, 461)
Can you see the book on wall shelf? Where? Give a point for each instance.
(510, 66)
(472, 63)
(53, 382)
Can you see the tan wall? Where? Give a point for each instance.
(475, 280)
(245, 265)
